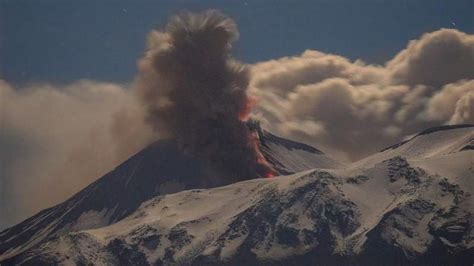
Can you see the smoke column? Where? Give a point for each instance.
(196, 93)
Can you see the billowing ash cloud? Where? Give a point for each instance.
(437, 59)
(55, 140)
(353, 109)
(196, 93)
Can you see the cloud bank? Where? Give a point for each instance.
(55, 140)
(353, 109)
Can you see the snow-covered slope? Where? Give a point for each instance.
(158, 169)
(410, 204)
(431, 143)
(288, 156)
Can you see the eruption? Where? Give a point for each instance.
(196, 93)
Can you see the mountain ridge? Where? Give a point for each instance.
(160, 168)
(418, 211)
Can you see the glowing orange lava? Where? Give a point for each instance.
(269, 175)
(247, 108)
(254, 140)
(260, 158)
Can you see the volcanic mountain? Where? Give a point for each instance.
(157, 170)
(410, 204)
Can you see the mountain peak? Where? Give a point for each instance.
(161, 168)
(407, 205)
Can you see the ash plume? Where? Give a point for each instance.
(351, 109)
(196, 93)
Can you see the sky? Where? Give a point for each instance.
(348, 77)
(62, 41)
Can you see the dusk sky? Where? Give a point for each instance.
(63, 41)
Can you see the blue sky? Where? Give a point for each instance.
(61, 41)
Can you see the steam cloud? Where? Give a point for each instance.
(55, 140)
(352, 109)
(196, 93)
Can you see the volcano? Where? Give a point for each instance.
(410, 204)
(159, 169)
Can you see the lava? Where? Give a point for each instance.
(247, 108)
(261, 160)
(254, 139)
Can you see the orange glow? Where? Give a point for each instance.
(247, 108)
(260, 158)
(269, 175)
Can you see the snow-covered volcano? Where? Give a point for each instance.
(157, 170)
(409, 204)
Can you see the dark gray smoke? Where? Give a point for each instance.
(196, 93)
